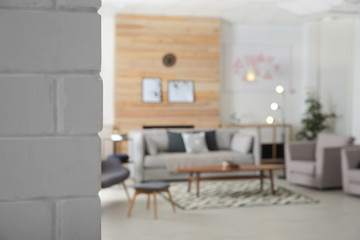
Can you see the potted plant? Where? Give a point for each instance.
(314, 121)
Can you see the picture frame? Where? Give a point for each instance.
(181, 91)
(151, 90)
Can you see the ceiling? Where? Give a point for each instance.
(240, 11)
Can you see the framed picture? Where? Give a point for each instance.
(181, 91)
(151, 90)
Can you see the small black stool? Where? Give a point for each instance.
(151, 188)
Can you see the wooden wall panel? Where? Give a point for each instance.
(141, 43)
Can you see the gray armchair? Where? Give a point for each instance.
(350, 160)
(112, 172)
(316, 164)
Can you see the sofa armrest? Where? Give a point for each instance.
(300, 151)
(328, 167)
(256, 146)
(136, 149)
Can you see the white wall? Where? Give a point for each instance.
(254, 107)
(332, 72)
(311, 58)
(323, 61)
(336, 70)
(355, 124)
(50, 114)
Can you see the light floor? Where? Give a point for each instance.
(336, 217)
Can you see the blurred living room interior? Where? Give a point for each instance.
(193, 89)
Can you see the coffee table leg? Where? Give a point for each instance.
(261, 180)
(197, 184)
(272, 182)
(189, 181)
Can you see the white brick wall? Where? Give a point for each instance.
(26, 104)
(48, 167)
(74, 212)
(26, 3)
(50, 114)
(79, 4)
(26, 220)
(77, 98)
(48, 41)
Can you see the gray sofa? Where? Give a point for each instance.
(159, 165)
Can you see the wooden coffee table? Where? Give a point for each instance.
(241, 168)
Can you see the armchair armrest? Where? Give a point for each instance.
(350, 157)
(300, 151)
(328, 166)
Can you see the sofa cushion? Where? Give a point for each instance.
(156, 142)
(176, 142)
(330, 140)
(354, 176)
(305, 167)
(195, 142)
(197, 159)
(223, 137)
(151, 147)
(242, 158)
(241, 143)
(211, 143)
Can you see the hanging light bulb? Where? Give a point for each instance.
(279, 89)
(250, 74)
(274, 106)
(269, 119)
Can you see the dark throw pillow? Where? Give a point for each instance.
(358, 166)
(210, 137)
(176, 142)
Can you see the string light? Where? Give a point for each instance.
(279, 89)
(269, 119)
(274, 106)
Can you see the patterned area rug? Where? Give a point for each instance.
(233, 194)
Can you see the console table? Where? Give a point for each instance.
(275, 128)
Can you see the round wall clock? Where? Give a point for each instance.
(169, 60)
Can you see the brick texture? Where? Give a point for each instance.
(26, 105)
(79, 3)
(74, 212)
(50, 114)
(79, 102)
(26, 3)
(61, 41)
(50, 167)
(26, 220)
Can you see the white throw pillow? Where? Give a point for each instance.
(224, 136)
(195, 142)
(241, 143)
